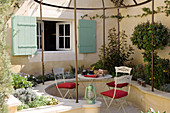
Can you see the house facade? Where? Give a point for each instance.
(24, 36)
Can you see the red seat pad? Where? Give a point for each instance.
(68, 85)
(119, 93)
(112, 84)
(92, 76)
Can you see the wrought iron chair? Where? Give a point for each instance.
(116, 93)
(121, 69)
(65, 85)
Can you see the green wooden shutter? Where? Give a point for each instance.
(87, 36)
(24, 35)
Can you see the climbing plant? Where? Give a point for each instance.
(5, 78)
(146, 11)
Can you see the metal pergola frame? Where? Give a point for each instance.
(75, 29)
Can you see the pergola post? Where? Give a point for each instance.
(104, 54)
(76, 65)
(42, 43)
(152, 45)
(118, 29)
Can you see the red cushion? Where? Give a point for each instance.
(112, 84)
(68, 85)
(93, 76)
(119, 93)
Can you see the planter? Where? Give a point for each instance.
(12, 104)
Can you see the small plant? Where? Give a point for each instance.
(42, 101)
(151, 110)
(98, 65)
(49, 76)
(30, 100)
(22, 106)
(30, 78)
(20, 82)
(80, 69)
(138, 71)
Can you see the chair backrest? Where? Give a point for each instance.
(58, 71)
(123, 79)
(123, 69)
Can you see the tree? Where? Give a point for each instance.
(5, 78)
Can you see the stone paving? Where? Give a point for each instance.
(129, 107)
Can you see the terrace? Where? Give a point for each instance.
(50, 34)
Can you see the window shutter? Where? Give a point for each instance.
(24, 35)
(87, 36)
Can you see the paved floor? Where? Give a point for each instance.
(129, 107)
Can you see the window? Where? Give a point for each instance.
(39, 46)
(26, 35)
(57, 36)
(63, 36)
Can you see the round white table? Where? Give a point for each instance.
(82, 77)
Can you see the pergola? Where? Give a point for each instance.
(118, 4)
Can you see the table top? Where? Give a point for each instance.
(98, 78)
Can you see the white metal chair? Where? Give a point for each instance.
(65, 85)
(121, 69)
(116, 93)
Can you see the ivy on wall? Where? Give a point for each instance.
(146, 11)
(5, 78)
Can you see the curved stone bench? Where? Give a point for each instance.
(143, 97)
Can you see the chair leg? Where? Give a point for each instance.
(108, 105)
(66, 93)
(121, 106)
(60, 93)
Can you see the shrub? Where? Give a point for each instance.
(98, 65)
(165, 88)
(25, 95)
(161, 73)
(142, 37)
(115, 55)
(20, 82)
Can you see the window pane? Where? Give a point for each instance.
(37, 42)
(39, 46)
(37, 28)
(40, 43)
(61, 30)
(67, 30)
(67, 42)
(61, 42)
